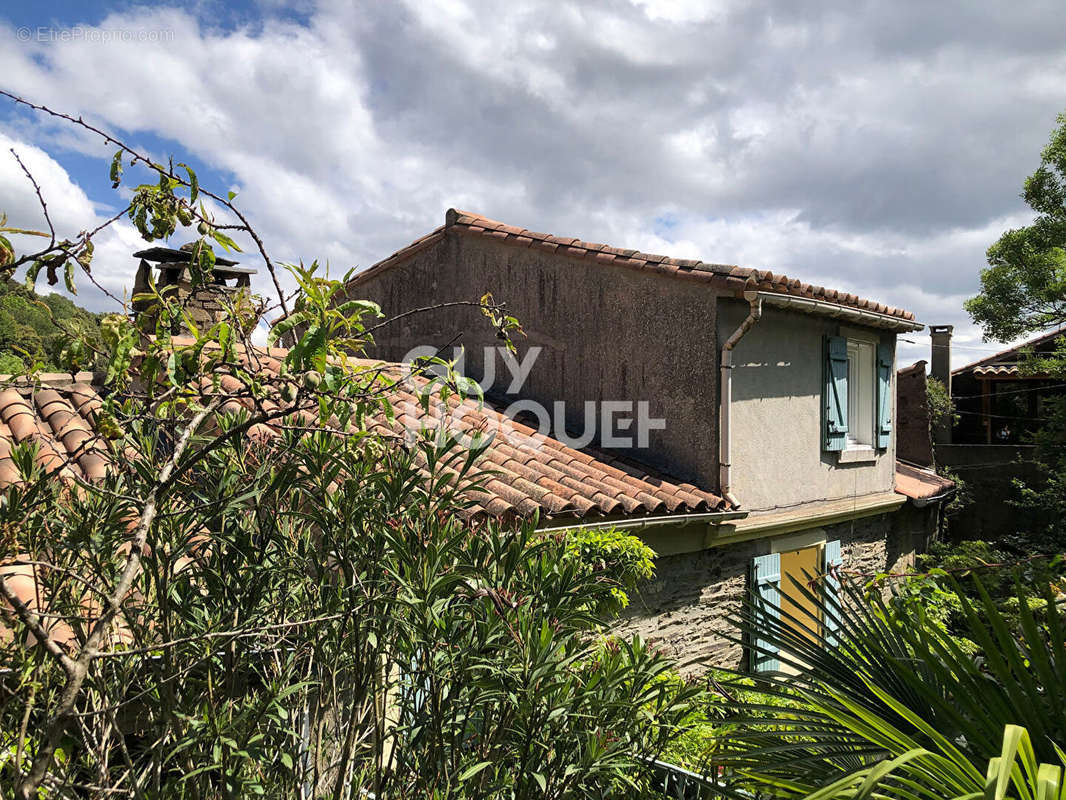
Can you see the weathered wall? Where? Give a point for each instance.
(606, 334)
(777, 394)
(685, 608)
(913, 441)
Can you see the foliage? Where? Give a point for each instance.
(1044, 502)
(871, 709)
(614, 556)
(932, 595)
(707, 723)
(941, 406)
(428, 656)
(1024, 288)
(943, 773)
(39, 330)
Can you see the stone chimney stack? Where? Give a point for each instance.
(205, 304)
(940, 369)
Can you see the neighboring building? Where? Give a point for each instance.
(914, 443)
(997, 401)
(773, 394)
(997, 405)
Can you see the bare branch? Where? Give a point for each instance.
(40, 198)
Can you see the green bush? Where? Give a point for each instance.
(613, 556)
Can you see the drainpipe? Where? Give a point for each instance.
(724, 442)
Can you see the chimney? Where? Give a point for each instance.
(205, 304)
(941, 370)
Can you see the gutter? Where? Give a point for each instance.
(755, 300)
(860, 316)
(641, 523)
(922, 502)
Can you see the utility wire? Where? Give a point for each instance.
(1012, 391)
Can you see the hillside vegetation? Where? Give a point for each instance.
(28, 334)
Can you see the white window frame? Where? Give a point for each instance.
(862, 398)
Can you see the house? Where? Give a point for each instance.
(770, 393)
(742, 422)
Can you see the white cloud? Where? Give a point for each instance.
(71, 211)
(877, 149)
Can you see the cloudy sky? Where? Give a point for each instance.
(877, 147)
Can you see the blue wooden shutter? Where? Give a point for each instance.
(833, 560)
(884, 396)
(766, 579)
(835, 394)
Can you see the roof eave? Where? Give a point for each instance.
(859, 316)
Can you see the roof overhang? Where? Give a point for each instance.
(821, 308)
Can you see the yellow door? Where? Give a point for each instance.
(803, 564)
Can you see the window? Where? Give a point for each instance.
(856, 395)
(775, 593)
(860, 394)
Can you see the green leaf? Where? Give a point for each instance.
(470, 772)
(31, 275)
(194, 184)
(85, 257)
(7, 252)
(224, 240)
(116, 170)
(68, 277)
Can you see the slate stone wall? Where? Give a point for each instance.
(685, 608)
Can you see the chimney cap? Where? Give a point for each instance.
(941, 329)
(170, 255)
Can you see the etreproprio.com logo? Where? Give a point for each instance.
(612, 424)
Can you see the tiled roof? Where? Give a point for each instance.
(535, 473)
(726, 276)
(1002, 370)
(1005, 361)
(59, 416)
(919, 483)
(917, 366)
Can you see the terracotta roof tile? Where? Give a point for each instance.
(1009, 356)
(919, 483)
(534, 473)
(724, 275)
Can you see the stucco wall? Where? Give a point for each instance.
(685, 608)
(607, 334)
(777, 394)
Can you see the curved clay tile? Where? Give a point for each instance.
(75, 434)
(8, 473)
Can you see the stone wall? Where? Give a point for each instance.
(204, 305)
(686, 607)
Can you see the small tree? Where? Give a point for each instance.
(1024, 288)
